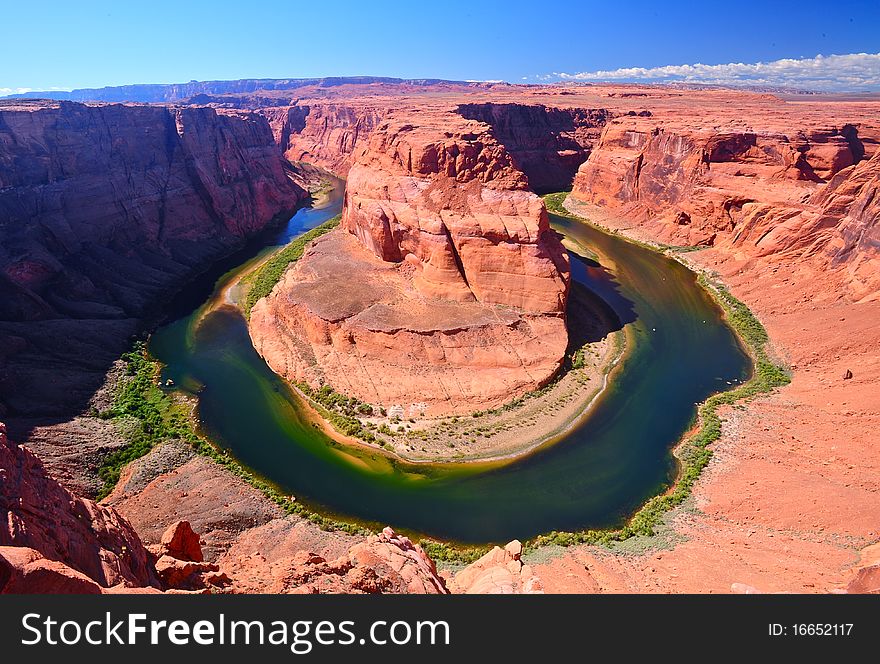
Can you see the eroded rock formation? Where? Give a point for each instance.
(764, 188)
(103, 209)
(445, 285)
(57, 528)
(499, 572)
(383, 563)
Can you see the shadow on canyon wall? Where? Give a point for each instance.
(104, 212)
(547, 144)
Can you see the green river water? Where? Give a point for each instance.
(599, 472)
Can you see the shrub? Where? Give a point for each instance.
(159, 418)
(694, 453)
(263, 280)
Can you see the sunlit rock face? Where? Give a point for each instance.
(444, 285)
(799, 187)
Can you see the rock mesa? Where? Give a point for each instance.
(444, 285)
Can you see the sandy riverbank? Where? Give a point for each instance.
(520, 426)
(790, 499)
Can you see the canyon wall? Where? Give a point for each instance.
(807, 190)
(326, 135)
(448, 293)
(103, 210)
(547, 143)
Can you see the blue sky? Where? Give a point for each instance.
(46, 45)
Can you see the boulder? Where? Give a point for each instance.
(25, 571)
(181, 542)
(189, 575)
(501, 571)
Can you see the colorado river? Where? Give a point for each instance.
(618, 455)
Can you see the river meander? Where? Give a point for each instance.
(679, 351)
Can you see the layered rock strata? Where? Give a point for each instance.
(548, 143)
(53, 529)
(328, 135)
(103, 209)
(444, 287)
(762, 189)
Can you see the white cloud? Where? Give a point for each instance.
(21, 91)
(833, 73)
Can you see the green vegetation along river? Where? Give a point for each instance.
(602, 469)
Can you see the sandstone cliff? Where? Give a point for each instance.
(547, 143)
(761, 188)
(327, 135)
(453, 295)
(104, 209)
(42, 516)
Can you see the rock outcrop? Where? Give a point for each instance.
(448, 198)
(103, 210)
(386, 563)
(169, 485)
(273, 558)
(448, 289)
(180, 541)
(62, 529)
(867, 572)
(499, 572)
(764, 189)
(849, 207)
(181, 564)
(26, 571)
